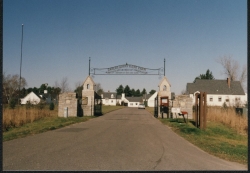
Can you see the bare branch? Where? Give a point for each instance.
(243, 75)
(64, 85)
(11, 85)
(231, 67)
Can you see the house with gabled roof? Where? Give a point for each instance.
(31, 98)
(110, 98)
(134, 101)
(149, 99)
(219, 92)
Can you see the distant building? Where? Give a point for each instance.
(219, 92)
(110, 98)
(150, 99)
(31, 98)
(134, 101)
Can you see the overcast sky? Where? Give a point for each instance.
(59, 36)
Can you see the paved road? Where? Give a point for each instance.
(126, 139)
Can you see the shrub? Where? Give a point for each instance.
(28, 105)
(51, 106)
(12, 104)
(41, 105)
(225, 105)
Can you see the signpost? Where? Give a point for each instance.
(126, 69)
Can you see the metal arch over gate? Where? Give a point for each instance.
(126, 69)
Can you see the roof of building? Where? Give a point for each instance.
(215, 87)
(109, 94)
(32, 93)
(134, 99)
(147, 96)
(89, 78)
(164, 79)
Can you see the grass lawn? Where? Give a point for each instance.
(49, 123)
(218, 139)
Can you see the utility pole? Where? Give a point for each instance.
(164, 66)
(89, 66)
(20, 66)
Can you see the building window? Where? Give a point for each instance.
(219, 98)
(131, 104)
(227, 99)
(164, 88)
(111, 101)
(87, 86)
(237, 99)
(211, 99)
(136, 104)
(112, 96)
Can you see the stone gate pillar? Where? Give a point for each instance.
(164, 91)
(67, 106)
(88, 97)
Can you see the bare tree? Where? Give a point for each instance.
(11, 85)
(64, 85)
(56, 85)
(98, 88)
(243, 76)
(230, 66)
(232, 69)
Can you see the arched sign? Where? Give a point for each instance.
(126, 69)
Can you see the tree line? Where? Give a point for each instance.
(132, 92)
(14, 88)
(12, 83)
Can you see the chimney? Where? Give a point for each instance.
(123, 96)
(228, 82)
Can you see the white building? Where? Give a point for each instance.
(219, 92)
(134, 101)
(109, 98)
(32, 98)
(112, 99)
(150, 99)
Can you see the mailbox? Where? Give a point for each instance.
(164, 101)
(164, 104)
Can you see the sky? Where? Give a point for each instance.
(59, 36)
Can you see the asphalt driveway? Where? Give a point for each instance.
(125, 139)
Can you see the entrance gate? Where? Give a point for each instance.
(91, 103)
(129, 69)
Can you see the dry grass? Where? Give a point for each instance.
(229, 118)
(21, 115)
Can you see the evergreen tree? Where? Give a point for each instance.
(208, 75)
(133, 92)
(29, 90)
(119, 90)
(42, 88)
(152, 92)
(137, 93)
(143, 91)
(127, 91)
